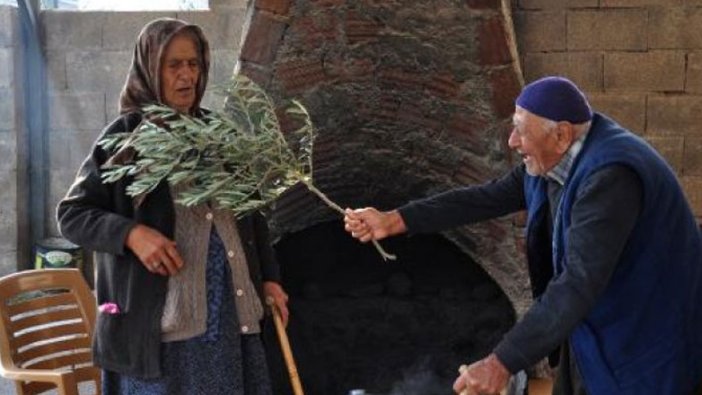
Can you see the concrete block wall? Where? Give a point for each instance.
(9, 131)
(639, 61)
(88, 56)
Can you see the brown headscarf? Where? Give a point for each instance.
(143, 85)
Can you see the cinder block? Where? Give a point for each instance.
(9, 26)
(7, 67)
(692, 165)
(672, 27)
(556, 4)
(59, 182)
(622, 29)
(97, 70)
(76, 111)
(656, 71)
(540, 30)
(693, 191)
(50, 221)
(8, 261)
(540, 64)
(69, 29)
(221, 70)
(8, 212)
(629, 110)
(121, 29)
(675, 115)
(586, 70)
(671, 148)
(56, 69)
(583, 68)
(7, 108)
(67, 149)
(222, 67)
(112, 104)
(640, 3)
(222, 29)
(693, 82)
(8, 151)
(227, 5)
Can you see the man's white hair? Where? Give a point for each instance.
(580, 128)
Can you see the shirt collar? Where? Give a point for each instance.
(560, 172)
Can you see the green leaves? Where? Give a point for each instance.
(238, 159)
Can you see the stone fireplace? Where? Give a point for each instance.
(399, 328)
(409, 98)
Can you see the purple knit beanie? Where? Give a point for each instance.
(557, 99)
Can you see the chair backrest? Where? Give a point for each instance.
(46, 322)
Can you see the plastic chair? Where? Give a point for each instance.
(46, 321)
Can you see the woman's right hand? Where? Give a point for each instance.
(155, 251)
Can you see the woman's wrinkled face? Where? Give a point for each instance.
(180, 72)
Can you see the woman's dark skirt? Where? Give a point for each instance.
(221, 361)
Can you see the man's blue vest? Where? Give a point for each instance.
(644, 334)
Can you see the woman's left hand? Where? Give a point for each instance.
(275, 291)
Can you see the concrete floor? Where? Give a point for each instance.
(7, 387)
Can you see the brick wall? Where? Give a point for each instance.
(408, 98)
(639, 61)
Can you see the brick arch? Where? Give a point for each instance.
(409, 97)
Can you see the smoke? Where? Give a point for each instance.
(421, 379)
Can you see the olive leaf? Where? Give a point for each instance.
(239, 158)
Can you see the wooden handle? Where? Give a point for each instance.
(285, 347)
(461, 370)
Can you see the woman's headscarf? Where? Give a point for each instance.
(143, 85)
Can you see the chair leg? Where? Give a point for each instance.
(68, 385)
(20, 388)
(98, 385)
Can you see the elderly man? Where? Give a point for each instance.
(614, 252)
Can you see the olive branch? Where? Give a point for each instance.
(238, 159)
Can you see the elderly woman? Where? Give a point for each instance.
(179, 288)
